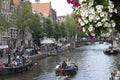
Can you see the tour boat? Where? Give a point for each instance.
(66, 72)
(113, 49)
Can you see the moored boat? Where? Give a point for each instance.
(16, 67)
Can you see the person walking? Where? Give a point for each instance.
(1, 53)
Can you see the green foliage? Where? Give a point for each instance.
(57, 31)
(24, 16)
(70, 26)
(48, 28)
(63, 31)
(36, 27)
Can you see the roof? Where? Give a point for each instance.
(42, 7)
(16, 3)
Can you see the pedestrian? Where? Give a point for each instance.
(117, 75)
(112, 76)
(14, 53)
(1, 53)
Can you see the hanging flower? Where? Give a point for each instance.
(75, 4)
(93, 16)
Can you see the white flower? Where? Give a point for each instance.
(79, 20)
(99, 24)
(111, 5)
(109, 25)
(110, 30)
(110, 15)
(113, 24)
(99, 7)
(99, 10)
(82, 13)
(86, 21)
(90, 28)
(91, 17)
(97, 17)
(110, 10)
(102, 14)
(82, 23)
(115, 10)
(103, 20)
(83, 29)
(106, 24)
(86, 14)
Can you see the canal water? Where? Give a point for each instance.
(92, 62)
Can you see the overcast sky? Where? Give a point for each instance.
(60, 6)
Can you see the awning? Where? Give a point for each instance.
(3, 46)
(47, 41)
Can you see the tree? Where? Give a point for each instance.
(70, 26)
(23, 17)
(36, 28)
(57, 31)
(63, 30)
(48, 28)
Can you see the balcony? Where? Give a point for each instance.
(5, 34)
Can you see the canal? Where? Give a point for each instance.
(92, 62)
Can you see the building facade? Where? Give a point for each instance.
(9, 35)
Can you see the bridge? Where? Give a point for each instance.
(87, 41)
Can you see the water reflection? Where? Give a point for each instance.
(92, 62)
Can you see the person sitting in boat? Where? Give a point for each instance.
(110, 47)
(64, 65)
(13, 63)
(72, 66)
(28, 60)
(68, 62)
(18, 61)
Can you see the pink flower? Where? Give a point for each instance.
(75, 4)
(69, 1)
(90, 36)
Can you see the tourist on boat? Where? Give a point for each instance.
(64, 65)
(18, 61)
(68, 62)
(72, 66)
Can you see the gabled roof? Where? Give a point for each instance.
(42, 7)
(16, 3)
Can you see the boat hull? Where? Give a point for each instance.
(111, 52)
(14, 70)
(66, 72)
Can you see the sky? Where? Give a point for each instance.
(60, 6)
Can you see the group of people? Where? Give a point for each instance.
(19, 61)
(115, 75)
(66, 65)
